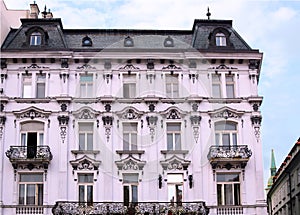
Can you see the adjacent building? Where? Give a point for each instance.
(284, 195)
(100, 121)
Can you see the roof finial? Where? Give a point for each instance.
(44, 12)
(34, 2)
(208, 13)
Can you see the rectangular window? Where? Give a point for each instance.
(220, 39)
(173, 136)
(230, 86)
(226, 133)
(86, 136)
(31, 189)
(172, 86)
(216, 86)
(85, 187)
(86, 86)
(27, 87)
(130, 188)
(35, 39)
(228, 189)
(175, 188)
(129, 136)
(40, 86)
(129, 86)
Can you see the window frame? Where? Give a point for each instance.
(86, 87)
(37, 200)
(236, 200)
(221, 39)
(129, 81)
(173, 134)
(35, 38)
(233, 141)
(41, 82)
(86, 133)
(131, 134)
(130, 186)
(172, 82)
(86, 186)
(174, 185)
(216, 83)
(230, 83)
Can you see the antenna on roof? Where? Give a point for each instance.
(208, 14)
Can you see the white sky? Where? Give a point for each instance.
(273, 27)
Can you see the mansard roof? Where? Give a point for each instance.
(200, 37)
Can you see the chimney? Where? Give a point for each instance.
(34, 11)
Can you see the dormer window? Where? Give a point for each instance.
(86, 41)
(169, 42)
(128, 42)
(220, 39)
(36, 39)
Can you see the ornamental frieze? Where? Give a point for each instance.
(175, 163)
(130, 163)
(32, 113)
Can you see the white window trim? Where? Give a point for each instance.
(137, 136)
(230, 132)
(223, 84)
(78, 134)
(93, 82)
(180, 132)
(34, 81)
(130, 81)
(85, 184)
(171, 95)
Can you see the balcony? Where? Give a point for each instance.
(29, 156)
(230, 210)
(229, 156)
(72, 208)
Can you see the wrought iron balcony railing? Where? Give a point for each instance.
(21, 153)
(229, 152)
(72, 208)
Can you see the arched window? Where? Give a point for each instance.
(226, 133)
(87, 41)
(36, 39)
(220, 39)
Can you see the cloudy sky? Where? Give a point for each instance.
(273, 27)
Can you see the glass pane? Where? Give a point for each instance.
(31, 177)
(169, 90)
(130, 127)
(228, 177)
(178, 193)
(228, 194)
(83, 90)
(81, 141)
(32, 126)
(217, 139)
(89, 193)
(89, 141)
(171, 192)
(130, 178)
(132, 90)
(40, 93)
(89, 90)
(125, 141)
(86, 78)
(225, 126)
(219, 193)
(30, 197)
(21, 194)
(85, 127)
(134, 190)
(170, 142)
(23, 139)
(133, 142)
(41, 136)
(126, 93)
(234, 139)
(40, 194)
(230, 91)
(175, 91)
(126, 195)
(175, 178)
(177, 142)
(173, 127)
(226, 139)
(27, 91)
(216, 91)
(216, 78)
(85, 178)
(237, 200)
(229, 78)
(81, 193)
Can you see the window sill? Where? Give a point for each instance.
(130, 100)
(130, 152)
(85, 100)
(33, 100)
(173, 100)
(174, 152)
(94, 152)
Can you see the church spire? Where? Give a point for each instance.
(272, 170)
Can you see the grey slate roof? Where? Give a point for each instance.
(71, 39)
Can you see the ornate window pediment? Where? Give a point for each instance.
(130, 164)
(129, 67)
(85, 163)
(32, 113)
(173, 113)
(130, 113)
(175, 163)
(225, 113)
(86, 113)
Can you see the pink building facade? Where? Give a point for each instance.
(101, 121)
